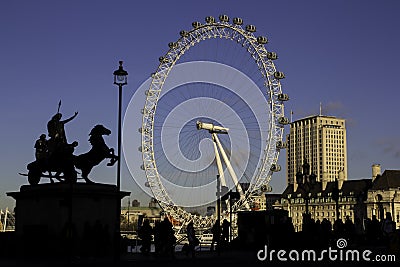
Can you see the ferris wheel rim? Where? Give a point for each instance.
(188, 39)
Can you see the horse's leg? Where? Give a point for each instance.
(51, 177)
(85, 173)
(112, 156)
(57, 176)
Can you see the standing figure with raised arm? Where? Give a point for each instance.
(55, 127)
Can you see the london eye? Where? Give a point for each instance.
(214, 108)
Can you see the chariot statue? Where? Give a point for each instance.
(55, 157)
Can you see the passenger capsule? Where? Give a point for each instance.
(163, 60)
(250, 28)
(140, 149)
(196, 24)
(279, 75)
(224, 18)
(184, 33)
(283, 97)
(281, 144)
(172, 45)
(275, 167)
(262, 40)
(140, 130)
(237, 21)
(266, 188)
(210, 19)
(283, 120)
(142, 167)
(272, 56)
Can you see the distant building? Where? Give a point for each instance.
(384, 195)
(153, 203)
(135, 203)
(321, 141)
(358, 199)
(133, 216)
(258, 202)
(322, 204)
(211, 211)
(270, 200)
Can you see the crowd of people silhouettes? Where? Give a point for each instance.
(315, 234)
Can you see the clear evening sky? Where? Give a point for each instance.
(343, 54)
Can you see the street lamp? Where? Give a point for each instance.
(306, 182)
(218, 221)
(120, 79)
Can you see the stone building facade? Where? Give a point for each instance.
(321, 201)
(384, 196)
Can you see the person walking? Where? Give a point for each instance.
(226, 225)
(216, 232)
(193, 240)
(145, 234)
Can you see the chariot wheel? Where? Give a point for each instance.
(34, 177)
(221, 74)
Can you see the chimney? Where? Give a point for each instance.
(324, 181)
(376, 171)
(295, 186)
(341, 179)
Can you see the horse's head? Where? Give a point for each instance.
(100, 130)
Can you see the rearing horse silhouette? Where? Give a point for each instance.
(100, 151)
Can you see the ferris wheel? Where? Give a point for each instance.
(213, 115)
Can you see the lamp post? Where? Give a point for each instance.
(218, 214)
(306, 182)
(120, 79)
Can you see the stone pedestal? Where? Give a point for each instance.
(67, 219)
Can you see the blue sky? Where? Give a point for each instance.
(344, 54)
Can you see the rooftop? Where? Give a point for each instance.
(389, 179)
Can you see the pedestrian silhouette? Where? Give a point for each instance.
(216, 232)
(326, 231)
(374, 230)
(193, 240)
(349, 229)
(145, 234)
(338, 228)
(388, 229)
(167, 238)
(225, 228)
(388, 225)
(157, 239)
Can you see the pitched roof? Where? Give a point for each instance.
(356, 186)
(389, 179)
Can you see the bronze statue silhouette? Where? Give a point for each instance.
(41, 147)
(56, 131)
(56, 154)
(100, 151)
(59, 161)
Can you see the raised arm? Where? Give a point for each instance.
(70, 119)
